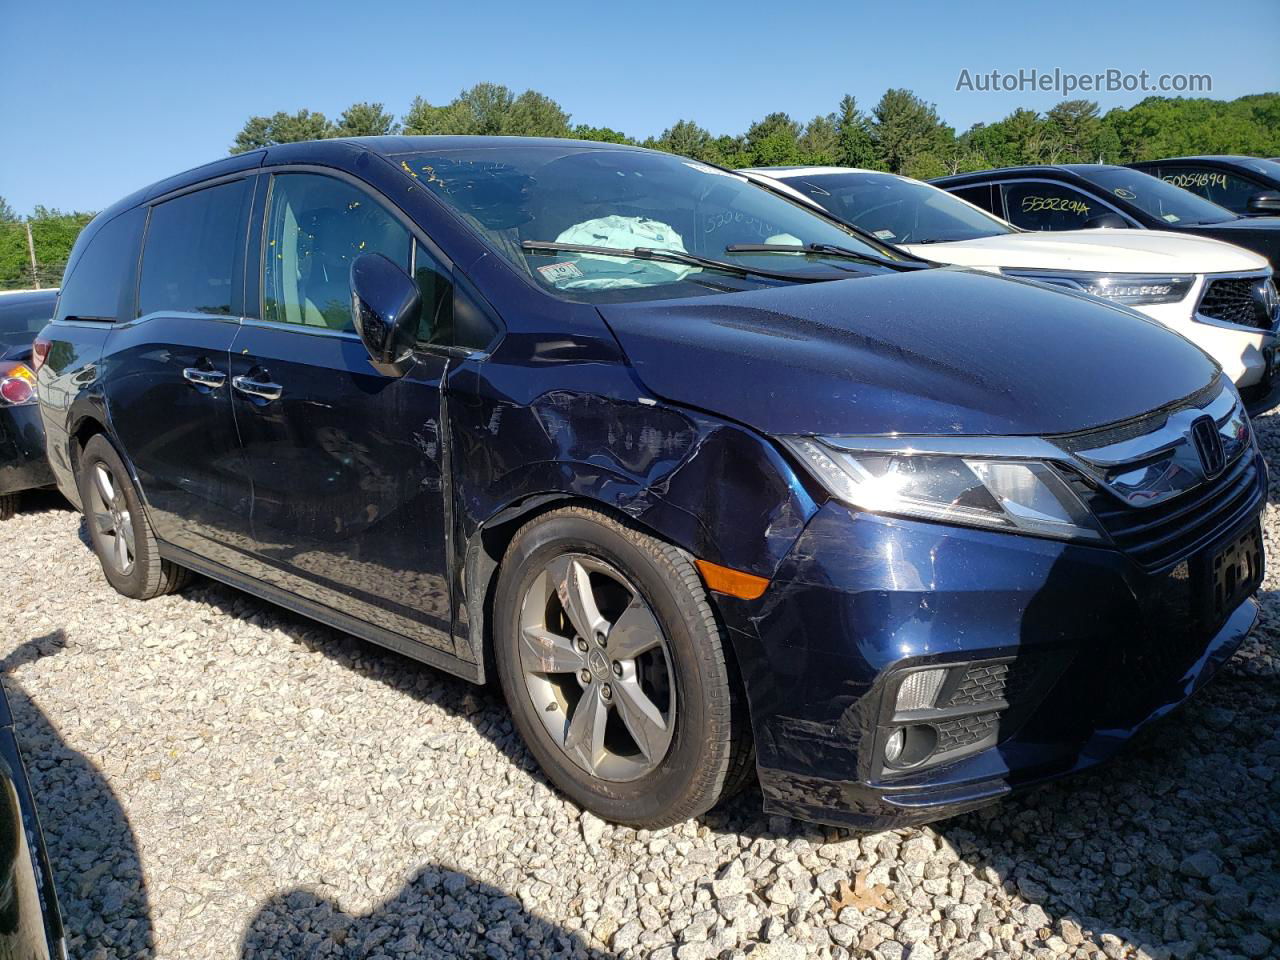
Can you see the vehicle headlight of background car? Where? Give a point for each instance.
(1128, 289)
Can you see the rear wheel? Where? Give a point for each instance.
(118, 528)
(615, 669)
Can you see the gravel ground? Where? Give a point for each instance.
(219, 778)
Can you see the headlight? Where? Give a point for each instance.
(1125, 288)
(1014, 495)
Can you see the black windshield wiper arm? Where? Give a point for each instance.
(667, 256)
(827, 250)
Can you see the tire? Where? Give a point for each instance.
(118, 526)
(641, 588)
(8, 505)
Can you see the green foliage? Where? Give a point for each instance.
(903, 133)
(259, 132)
(53, 233)
(7, 214)
(600, 134)
(853, 128)
(365, 120)
(908, 135)
(490, 109)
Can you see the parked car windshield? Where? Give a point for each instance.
(897, 209)
(624, 199)
(22, 316)
(1152, 195)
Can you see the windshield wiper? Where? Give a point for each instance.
(826, 250)
(668, 256)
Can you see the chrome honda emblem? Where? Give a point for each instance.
(1208, 443)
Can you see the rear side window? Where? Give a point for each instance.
(979, 196)
(100, 279)
(1049, 206)
(1225, 189)
(193, 246)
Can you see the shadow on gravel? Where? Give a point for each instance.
(440, 913)
(91, 845)
(43, 501)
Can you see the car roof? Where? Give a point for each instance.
(301, 150)
(1208, 157)
(785, 173)
(1072, 169)
(29, 296)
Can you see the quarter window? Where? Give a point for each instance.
(100, 283)
(191, 253)
(1225, 189)
(979, 196)
(316, 226)
(1049, 206)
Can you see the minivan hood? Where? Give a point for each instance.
(944, 351)
(1099, 251)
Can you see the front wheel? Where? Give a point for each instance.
(615, 670)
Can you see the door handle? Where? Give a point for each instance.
(257, 388)
(212, 379)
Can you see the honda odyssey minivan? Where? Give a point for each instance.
(711, 485)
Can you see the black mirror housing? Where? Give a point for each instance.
(1264, 203)
(1106, 221)
(385, 307)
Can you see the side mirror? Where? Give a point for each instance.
(385, 304)
(1263, 203)
(1106, 221)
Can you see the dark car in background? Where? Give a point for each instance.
(708, 482)
(1074, 196)
(1247, 186)
(30, 920)
(23, 467)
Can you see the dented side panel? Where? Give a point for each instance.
(709, 486)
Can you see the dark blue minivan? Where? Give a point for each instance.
(711, 485)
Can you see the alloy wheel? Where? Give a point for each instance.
(111, 518)
(597, 667)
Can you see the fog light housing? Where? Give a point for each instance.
(893, 746)
(920, 689)
(911, 745)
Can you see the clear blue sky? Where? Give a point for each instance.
(103, 97)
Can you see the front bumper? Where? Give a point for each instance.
(22, 461)
(862, 596)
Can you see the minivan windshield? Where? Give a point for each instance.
(1154, 197)
(521, 199)
(896, 209)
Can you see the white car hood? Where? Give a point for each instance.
(1117, 251)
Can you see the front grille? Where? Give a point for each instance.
(1157, 536)
(963, 731)
(1237, 300)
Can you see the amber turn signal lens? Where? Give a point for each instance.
(745, 586)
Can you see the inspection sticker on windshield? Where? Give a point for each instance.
(884, 234)
(558, 272)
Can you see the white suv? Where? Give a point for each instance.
(1220, 296)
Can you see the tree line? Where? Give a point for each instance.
(50, 233)
(901, 133)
